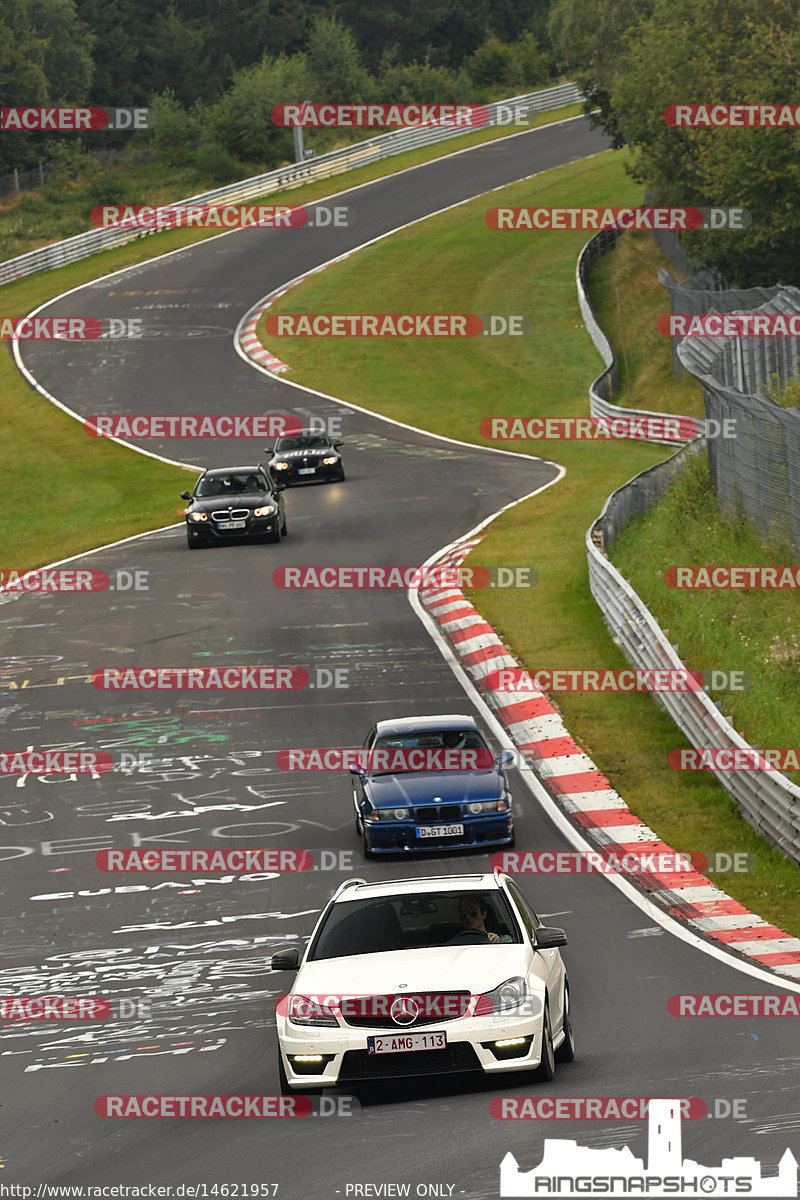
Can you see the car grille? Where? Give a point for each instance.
(436, 1007)
(358, 1064)
(230, 514)
(438, 812)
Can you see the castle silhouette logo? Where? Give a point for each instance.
(568, 1169)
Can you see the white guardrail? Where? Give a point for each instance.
(767, 799)
(688, 427)
(337, 161)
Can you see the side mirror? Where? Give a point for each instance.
(357, 770)
(269, 450)
(548, 937)
(507, 757)
(186, 495)
(286, 960)
(338, 445)
(278, 487)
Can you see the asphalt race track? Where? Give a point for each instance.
(196, 951)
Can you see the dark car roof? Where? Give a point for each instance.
(254, 469)
(419, 724)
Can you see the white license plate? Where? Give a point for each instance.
(307, 471)
(437, 831)
(231, 524)
(398, 1043)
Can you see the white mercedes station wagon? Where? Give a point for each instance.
(425, 976)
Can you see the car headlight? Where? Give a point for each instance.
(266, 511)
(280, 466)
(390, 814)
(483, 806)
(198, 516)
(505, 998)
(328, 462)
(308, 1010)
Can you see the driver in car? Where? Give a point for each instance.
(473, 912)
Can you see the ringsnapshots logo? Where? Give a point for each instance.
(221, 216)
(384, 116)
(393, 578)
(187, 425)
(391, 325)
(641, 218)
(567, 1169)
(62, 119)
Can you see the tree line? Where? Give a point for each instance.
(634, 58)
(212, 70)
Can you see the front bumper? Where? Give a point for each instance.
(292, 474)
(399, 837)
(206, 531)
(469, 1048)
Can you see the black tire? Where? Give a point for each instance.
(341, 477)
(197, 544)
(547, 1067)
(566, 1051)
(283, 528)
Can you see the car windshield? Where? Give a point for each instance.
(309, 441)
(393, 753)
(411, 922)
(233, 484)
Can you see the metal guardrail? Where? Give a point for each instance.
(607, 382)
(326, 165)
(767, 800)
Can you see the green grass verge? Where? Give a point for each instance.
(448, 388)
(646, 377)
(105, 491)
(61, 210)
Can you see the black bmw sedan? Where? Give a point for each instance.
(234, 502)
(305, 458)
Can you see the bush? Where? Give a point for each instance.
(215, 162)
